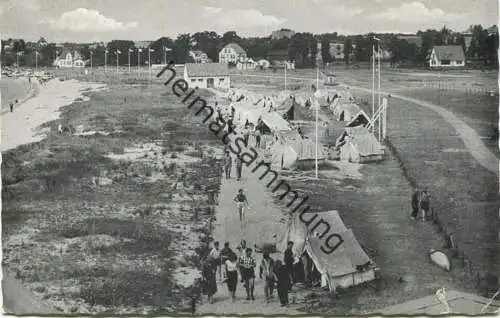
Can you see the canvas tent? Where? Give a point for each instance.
(291, 110)
(346, 112)
(360, 119)
(291, 151)
(347, 265)
(272, 122)
(358, 144)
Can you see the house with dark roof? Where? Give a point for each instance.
(198, 56)
(280, 59)
(232, 53)
(69, 58)
(207, 75)
(447, 56)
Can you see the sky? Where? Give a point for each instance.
(104, 20)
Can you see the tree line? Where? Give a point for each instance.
(301, 47)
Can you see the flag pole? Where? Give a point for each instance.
(117, 61)
(286, 66)
(129, 60)
(105, 61)
(379, 95)
(373, 86)
(149, 63)
(317, 110)
(90, 61)
(138, 62)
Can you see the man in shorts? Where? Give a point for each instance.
(247, 268)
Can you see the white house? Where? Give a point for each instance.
(232, 53)
(447, 56)
(207, 75)
(198, 56)
(69, 59)
(244, 65)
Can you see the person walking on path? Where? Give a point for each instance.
(266, 272)
(420, 202)
(11, 104)
(246, 133)
(225, 252)
(288, 260)
(239, 167)
(232, 274)
(228, 164)
(241, 202)
(283, 282)
(209, 280)
(257, 137)
(247, 267)
(215, 253)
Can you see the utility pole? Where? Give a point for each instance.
(317, 114)
(105, 60)
(373, 84)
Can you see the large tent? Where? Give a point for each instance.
(347, 265)
(272, 122)
(358, 144)
(347, 112)
(291, 151)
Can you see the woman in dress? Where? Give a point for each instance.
(209, 278)
(232, 274)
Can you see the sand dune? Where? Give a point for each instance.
(20, 127)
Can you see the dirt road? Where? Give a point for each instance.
(469, 136)
(263, 222)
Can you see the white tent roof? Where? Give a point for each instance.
(274, 121)
(341, 261)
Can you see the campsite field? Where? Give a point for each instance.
(377, 204)
(114, 222)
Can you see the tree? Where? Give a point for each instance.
(325, 51)
(182, 47)
(347, 50)
(208, 42)
(158, 46)
(121, 45)
(230, 37)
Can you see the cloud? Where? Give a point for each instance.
(418, 12)
(240, 19)
(82, 19)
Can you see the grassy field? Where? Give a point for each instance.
(118, 222)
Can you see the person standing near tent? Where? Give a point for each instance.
(241, 202)
(228, 164)
(283, 282)
(239, 167)
(266, 272)
(247, 267)
(246, 133)
(257, 137)
(288, 261)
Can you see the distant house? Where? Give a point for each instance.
(198, 56)
(245, 65)
(207, 75)
(281, 34)
(69, 58)
(447, 56)
(337, 50)
(280, 59)
(232, 53)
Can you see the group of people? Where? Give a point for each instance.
(229, 265)
(11, 105)
(421, 205)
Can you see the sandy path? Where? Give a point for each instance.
(263, 221)
(471, 139)
(19, 300)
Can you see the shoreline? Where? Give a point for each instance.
(21, 127)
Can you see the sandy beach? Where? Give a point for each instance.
(20, 127)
